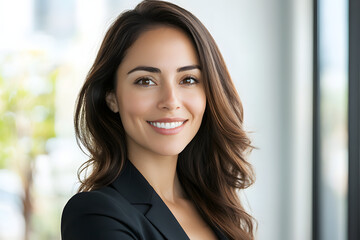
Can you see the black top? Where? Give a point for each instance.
(127, 209)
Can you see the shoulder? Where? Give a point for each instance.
(100, 214)
(94, 201)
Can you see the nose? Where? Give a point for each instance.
(169, 98)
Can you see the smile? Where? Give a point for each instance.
(166, 125)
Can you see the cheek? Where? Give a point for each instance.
(196, 104)
(133, 105)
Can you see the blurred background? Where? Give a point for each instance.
(47, 47)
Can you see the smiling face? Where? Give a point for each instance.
(159, 93)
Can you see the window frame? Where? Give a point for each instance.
(354, 121)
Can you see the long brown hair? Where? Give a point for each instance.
(213, 165)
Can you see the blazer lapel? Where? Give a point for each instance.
(132, 185)
(162, 218)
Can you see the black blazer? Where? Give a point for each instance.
(127, 209)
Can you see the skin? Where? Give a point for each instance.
(143, 95)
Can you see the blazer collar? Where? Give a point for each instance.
(133, 186)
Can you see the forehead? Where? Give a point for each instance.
(162, 47)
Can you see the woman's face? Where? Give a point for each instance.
(159, 93)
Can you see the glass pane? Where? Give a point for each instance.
(333, 71)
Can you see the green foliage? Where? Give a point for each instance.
(27, 106)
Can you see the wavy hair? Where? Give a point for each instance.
(213, 166)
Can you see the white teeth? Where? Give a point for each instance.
(167, 125)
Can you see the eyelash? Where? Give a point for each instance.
(190, 77)
(137, 81)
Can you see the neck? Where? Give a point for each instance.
(160, 172)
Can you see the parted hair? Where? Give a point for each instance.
(213, 167)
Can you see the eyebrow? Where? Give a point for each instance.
(157, 70)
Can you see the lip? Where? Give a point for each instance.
(169, 120)
(172, 131)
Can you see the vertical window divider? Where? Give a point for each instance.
(316, 128)
(354, 121)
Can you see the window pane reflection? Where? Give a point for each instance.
(333, 72)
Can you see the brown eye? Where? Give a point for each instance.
(189, 81)
(145, 82)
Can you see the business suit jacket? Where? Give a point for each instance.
(127, 209)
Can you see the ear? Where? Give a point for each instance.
(111, 102)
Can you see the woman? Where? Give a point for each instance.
(162, 122)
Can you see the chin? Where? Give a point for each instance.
(169, 150)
